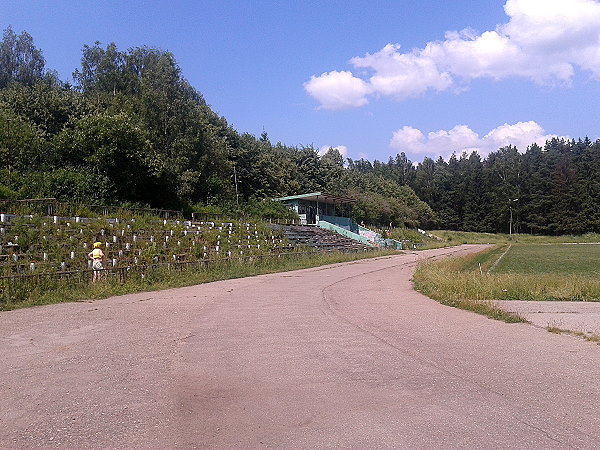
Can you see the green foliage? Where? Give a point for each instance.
(407, 234)
(21, 144)
(47, 105)
(111, 147)
(20, 61)
(383, 202)
(7, 193)
(268, 209)
(471, 237)
(62, 184)
(253, 208)
(135, 125)
(557, 187)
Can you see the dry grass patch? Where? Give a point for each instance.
(591, 337)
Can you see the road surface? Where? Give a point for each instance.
(344, 356)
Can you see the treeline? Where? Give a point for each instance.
(550, 190)
(132, 130)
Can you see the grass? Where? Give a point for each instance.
(591, 337)
(51, 290)
(469, 237)
(551, 259)
(534, 272)
(461, 279)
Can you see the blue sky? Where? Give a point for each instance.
(372, 78)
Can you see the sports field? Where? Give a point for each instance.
(516, 271)
(564, 259)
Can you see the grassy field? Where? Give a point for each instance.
(468, 237)
(515, 272)
(559, 259)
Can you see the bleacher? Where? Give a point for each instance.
(41, 244)
(319, 239)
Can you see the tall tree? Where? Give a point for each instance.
(20, 60)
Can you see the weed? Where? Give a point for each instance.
(591, 337)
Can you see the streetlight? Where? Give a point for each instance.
(510, 202)
(237, 201)
(8, 144)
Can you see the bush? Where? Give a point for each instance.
(7, 194)
(66, 185)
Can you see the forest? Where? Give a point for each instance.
(130, 130)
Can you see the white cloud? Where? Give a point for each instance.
(338, 90)
(402, 75)
(340, 148)
(543, 40)
(462, 139)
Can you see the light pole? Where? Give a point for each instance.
(510, 202)
(237, 201)
(8, 144)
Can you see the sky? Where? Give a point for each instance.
(372, 78)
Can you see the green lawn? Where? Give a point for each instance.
(567, 259)
(469, 237)
(568, 272)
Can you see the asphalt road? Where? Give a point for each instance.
(583, 317)
(339, 356)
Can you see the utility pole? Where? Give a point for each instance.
(510, 202)
(237, 201)
(9, 145)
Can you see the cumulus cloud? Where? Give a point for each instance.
(402, 75)
(340, 148)
(338, 90)
(543, 40)
(462, 139)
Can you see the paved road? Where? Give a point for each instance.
(581, 317)
(339, 356)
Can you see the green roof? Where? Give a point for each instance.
(321, 197)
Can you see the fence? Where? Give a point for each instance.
(52, 207)
(204, 217)
(12, 285)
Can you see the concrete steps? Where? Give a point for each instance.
(322, 240)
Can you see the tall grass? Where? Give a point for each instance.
(470, 237)
(50, 290)
(460, 279)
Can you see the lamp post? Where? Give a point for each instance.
(237, 201)
(510, 202)
(8, 144)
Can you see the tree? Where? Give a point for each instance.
(102, 70)
(332, 168)
(424, 180)
(310, 176)
(114, 147)
(21, 145)
(47, 104)
(20, 60)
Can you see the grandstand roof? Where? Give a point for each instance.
(321, 197)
